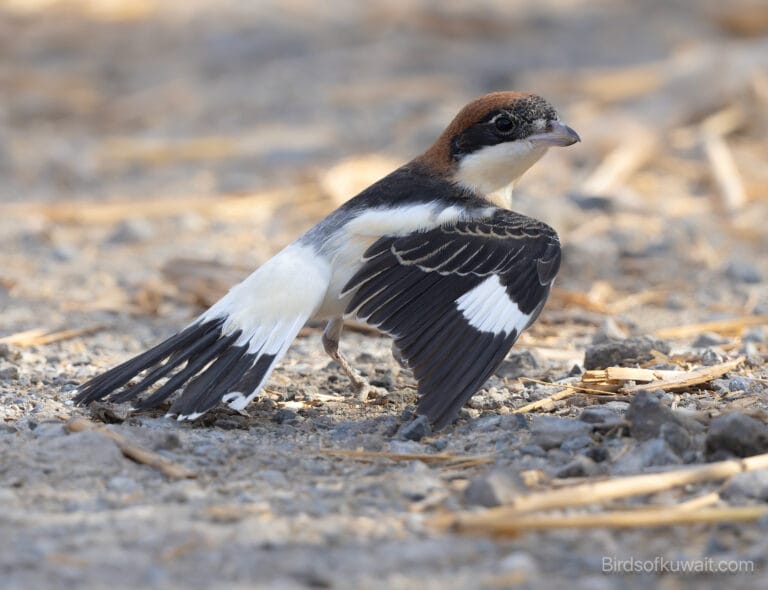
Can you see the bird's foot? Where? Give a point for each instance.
(366, 392)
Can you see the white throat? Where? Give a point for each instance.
(492, 171)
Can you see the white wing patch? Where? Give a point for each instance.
(488, 308)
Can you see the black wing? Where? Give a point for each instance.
(455, 299)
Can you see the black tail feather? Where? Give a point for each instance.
(196, 363)
(182, 356)
(177, 347)
(205, 390)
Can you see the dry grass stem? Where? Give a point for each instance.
(547, 403)
(732, 326)
(651, 379)
(621, 163)
(41, 336)
(733, 193)
(625, 374)
(687, 378)
(469, 460)
(595, 492)
(653, 517)
(232, 206)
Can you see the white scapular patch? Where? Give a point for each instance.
(401, 221)
(350, 243)
(488, 308)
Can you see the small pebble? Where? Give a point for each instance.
(533, 450)
(550, 431)
(736, 434)
(285, 416)
(751, 485)
(646, 416)
(8, 353)
(415, 429)
(598, 415)
(623, 352)
(711, 357)
(650, 453)
(739, 384)
(494, 489)
(9, 373)
(598, 454)
(707, 339)
(131, 231)
(580, 466)
(754, 334)
(518, 364)
(743, 272)
(122, 484)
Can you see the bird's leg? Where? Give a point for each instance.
(360, 384)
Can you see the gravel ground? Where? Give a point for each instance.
(183, 103)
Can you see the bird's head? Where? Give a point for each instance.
(496, 138)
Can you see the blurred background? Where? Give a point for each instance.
(141, 139)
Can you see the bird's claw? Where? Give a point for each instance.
(364, 391)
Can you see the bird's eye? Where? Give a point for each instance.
(503, 124)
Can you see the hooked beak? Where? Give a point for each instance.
(558, 135)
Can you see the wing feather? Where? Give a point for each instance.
(455, 299)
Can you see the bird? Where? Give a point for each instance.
(431, 255)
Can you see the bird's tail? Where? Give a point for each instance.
(227, 354)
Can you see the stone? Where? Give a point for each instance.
(736, 434)
(646, 416)
(406, 447)
(580, 466)
(707, 339)
(9, 354)
(533, 450)
(609, 331)
(9, 373)
(677, 437)
(711, 357)
(415, 429)
(754, 334)
(122, 484)
(131, 231)
(519, 564)
(650, 453)
(285, 416)
(752, 485)
(577, 443)
(550, 432)
(742, 271)
(494, 489)
(599, 415)
(518, 364)
(598, 454)
(612, 353)
(417, 481)
(739, 383)
(588, 202)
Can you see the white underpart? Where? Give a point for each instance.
(488, 308)
(271, 306)
(493, 170)
(350, 243)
